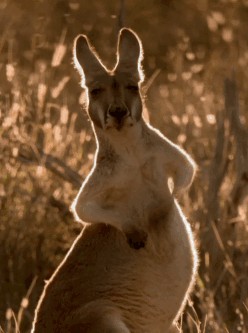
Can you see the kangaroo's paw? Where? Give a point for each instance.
(136, 238)
(174, 329)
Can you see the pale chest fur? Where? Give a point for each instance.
(132, 172)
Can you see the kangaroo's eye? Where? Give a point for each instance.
(132, 87)
(96, 91)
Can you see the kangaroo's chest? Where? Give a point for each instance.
(140, 166)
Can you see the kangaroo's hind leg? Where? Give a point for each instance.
(97, 316)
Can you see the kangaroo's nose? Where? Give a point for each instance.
(118, 112)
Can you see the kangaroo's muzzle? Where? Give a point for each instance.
(118, 115)
(118, 112)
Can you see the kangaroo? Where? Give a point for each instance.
(134, 263)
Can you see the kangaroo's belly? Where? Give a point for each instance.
(147, 285)
(154, 285)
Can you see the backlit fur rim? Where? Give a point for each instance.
(141, 54)
(80, 69)
(76, 62)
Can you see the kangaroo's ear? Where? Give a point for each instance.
(129, 54)
(86, 60)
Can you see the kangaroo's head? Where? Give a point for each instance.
(114, 100)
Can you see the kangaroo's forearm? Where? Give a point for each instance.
(92, 212)
(184, 173)
(179, 165)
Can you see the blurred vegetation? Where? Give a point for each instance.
(196, 57)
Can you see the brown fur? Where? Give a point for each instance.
(131, 268)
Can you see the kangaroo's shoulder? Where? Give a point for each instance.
(156, 143)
